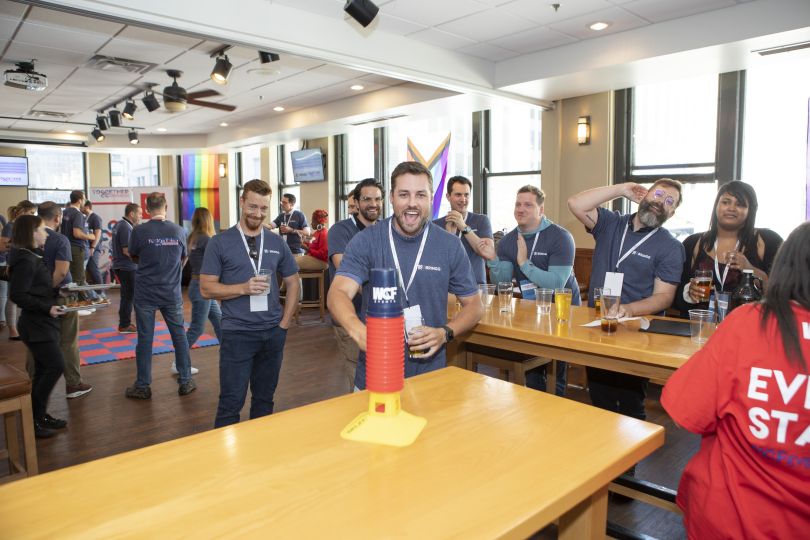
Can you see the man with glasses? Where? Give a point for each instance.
(474, 230)
(636, 259)
(368, 196)
(240, 269)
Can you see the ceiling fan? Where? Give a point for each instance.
(175, 97)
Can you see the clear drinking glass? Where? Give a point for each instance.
(702, 284)
(505, 296)
(701, 324)
(542, 299)
(487, 294)
(609, 311)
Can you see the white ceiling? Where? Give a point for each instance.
(522, 50)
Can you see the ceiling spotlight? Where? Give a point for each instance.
(115, 117)
(278, 108)
(357, 87)
(267, 57)
(71, 131)
(129, 110)
(102, 122)
(598, 26)
(133, 137)
(362, 11)
(162, 129)
(223, 124)
(222, 69)
(150, 101)
(97, 134)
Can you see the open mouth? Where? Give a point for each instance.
(411, 217)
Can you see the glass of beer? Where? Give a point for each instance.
(505, 296)
(562, 304)
(609, 310)
(597, 298)
(413, 327)
(702, 283)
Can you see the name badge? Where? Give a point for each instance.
(613, 283)
(258, 303)
(413, 318)
(527, 289)
(719, 304)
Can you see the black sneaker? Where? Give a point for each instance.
(50, 422)
(41, 432)
(139, 392)
(187, 387)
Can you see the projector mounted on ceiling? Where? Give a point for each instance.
(25, 78)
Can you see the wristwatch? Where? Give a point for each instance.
(466, 230)
(448, 334)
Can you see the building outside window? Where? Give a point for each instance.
(53, 174)
(134, 170)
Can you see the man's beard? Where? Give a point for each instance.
(365, 213)
(648, 217)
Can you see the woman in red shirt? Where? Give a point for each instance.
(318, 246)
(747, 393)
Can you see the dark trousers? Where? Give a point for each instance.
(48, 365)
(536, 378)
(127, 280)
(248, 358)
(618, 392)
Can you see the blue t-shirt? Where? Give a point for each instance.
(296, 220)
(57, 248)
(444, 268)
(160, 247)
(72, 218)
(227, 258)
(120, 240)
(195, 257)
(94, 224)
(340, 234)
(555, 249)
(481, 226)
(661, 256)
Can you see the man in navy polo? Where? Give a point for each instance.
(95, 227)
(240, 269)
(292, 224)
(124, 267)
(367, 194)
(537, 253)
(475, 230)
(74, 226)
(57, 257)
(159, 248)
(430, 263)
(634, 254)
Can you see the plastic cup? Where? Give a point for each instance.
(542, 299)
(562, 302)
(609, 311)
(487, 294)
(505, 296)
(264, 274)
(702, 324)
(702, 284)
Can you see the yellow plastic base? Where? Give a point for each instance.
(384, 423)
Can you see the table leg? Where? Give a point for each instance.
(588, 519)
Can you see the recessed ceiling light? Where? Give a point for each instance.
(162, 129)
(70, 131)
(223, 124)
(279, 108)
(357, 87)
(598, 26)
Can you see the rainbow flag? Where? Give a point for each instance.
(437, 165)
(199, 184)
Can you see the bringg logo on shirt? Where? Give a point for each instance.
(426, 267)
(384, 294)
(642, 255)
(162, 242)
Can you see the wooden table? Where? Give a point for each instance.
(495, 460)
(655, 356)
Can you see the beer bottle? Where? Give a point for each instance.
(746, 292)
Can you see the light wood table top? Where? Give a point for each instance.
(495, 460)
(627, 350)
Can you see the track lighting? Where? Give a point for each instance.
(267, 57)
(102, 122)
(115, 117)
(150, 101)
(362, 11)
(97, 134)
(133, 137)
(129, 110)
(222, 70)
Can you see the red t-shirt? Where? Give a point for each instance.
(751, 476)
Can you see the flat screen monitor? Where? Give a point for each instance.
(307, 165)
(13, 171)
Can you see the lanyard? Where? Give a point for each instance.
(722, 280)
(635, 247)
(256, 266)
(289, 217)
(415, 263)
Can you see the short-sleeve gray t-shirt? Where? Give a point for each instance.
(481, 226)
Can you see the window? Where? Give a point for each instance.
(134, 170)
(250, 162)
(360, 160)
(775, 145)
(53, 174)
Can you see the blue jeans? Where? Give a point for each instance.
(536, 378)
(248, 357)
(201, 309)
(145, 320)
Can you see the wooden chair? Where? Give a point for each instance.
(512, 366)
(320, 302)
(15, 402)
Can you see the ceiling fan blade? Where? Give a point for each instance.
(220, 106)
(203, 94)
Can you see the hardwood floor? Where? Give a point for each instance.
(104, 422)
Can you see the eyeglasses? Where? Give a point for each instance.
(661, 194)
(370, 199)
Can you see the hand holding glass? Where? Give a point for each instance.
(414, 327)
(263, 275)
(702, 285)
